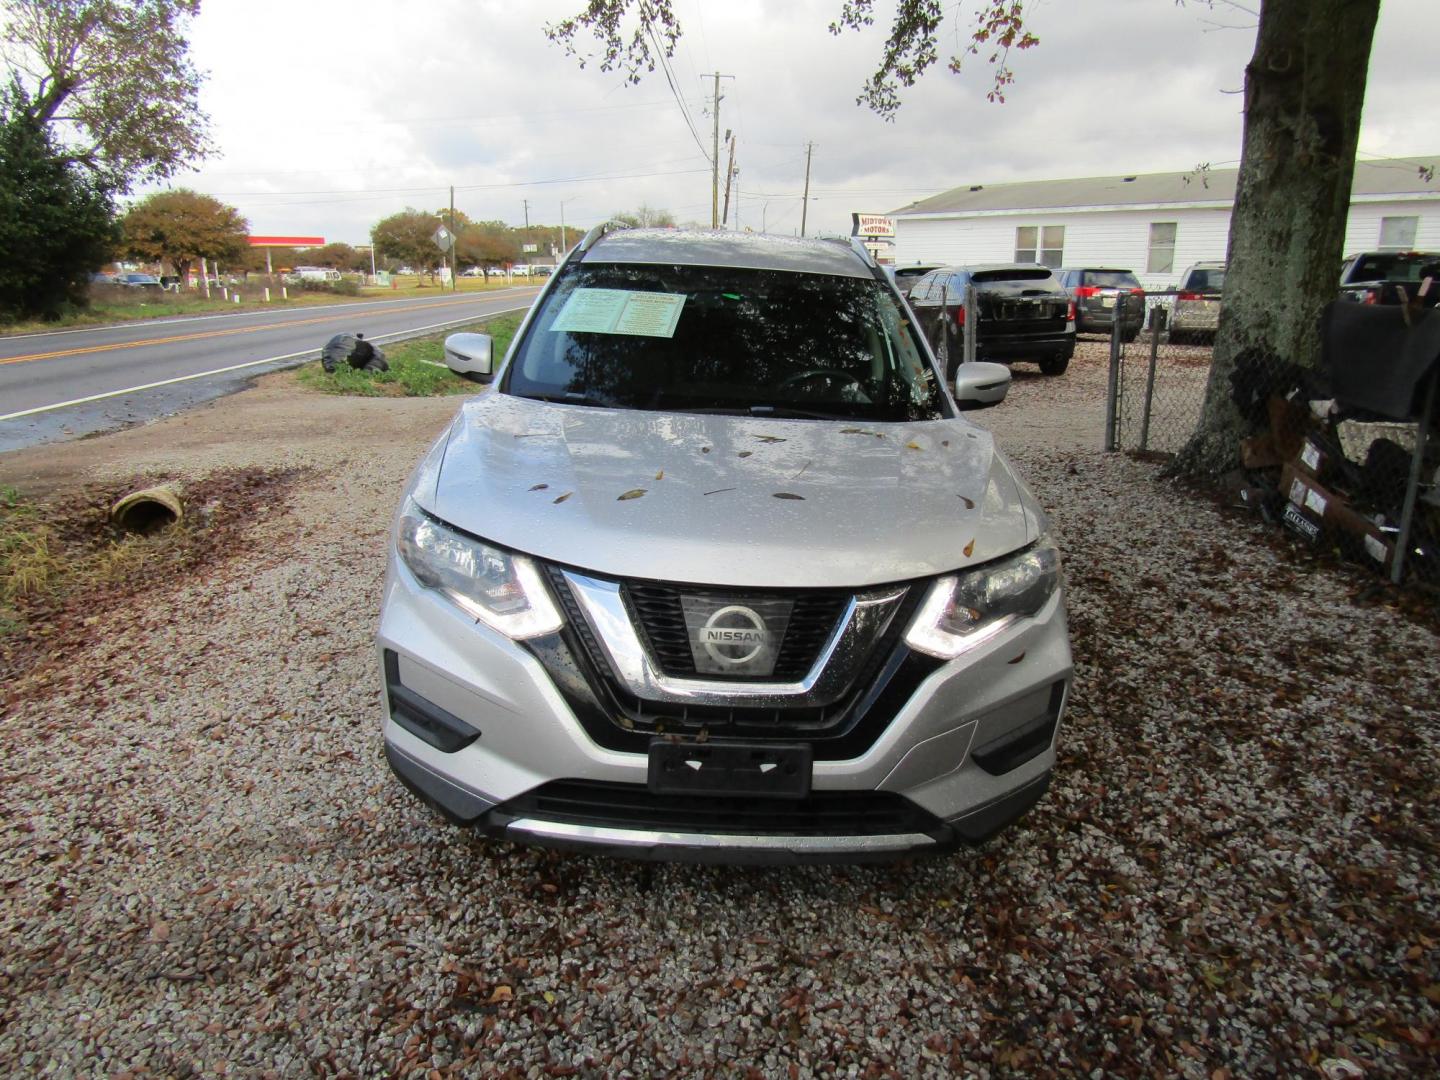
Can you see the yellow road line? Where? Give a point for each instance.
(176, 338)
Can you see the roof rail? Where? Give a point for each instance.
(597, 232)
(857, 246)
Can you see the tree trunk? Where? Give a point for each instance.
(1304, 89)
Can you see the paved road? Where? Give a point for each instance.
(75, 382)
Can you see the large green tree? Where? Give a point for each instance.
(408, 237)
(1304, 90)
(57, 225)
(181, 227)
(487, 243)
(339, 256)
(113, 80)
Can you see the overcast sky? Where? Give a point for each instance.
(331, 114)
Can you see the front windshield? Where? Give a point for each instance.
(721, 339)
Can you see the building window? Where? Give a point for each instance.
(1161, 259)
(1043, 244)
(1398, 233)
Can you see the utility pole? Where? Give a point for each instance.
(454, 282)
(805, 202)
(526, 202)
(729, 175)
(715, 151)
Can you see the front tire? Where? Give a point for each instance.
(1054, 365)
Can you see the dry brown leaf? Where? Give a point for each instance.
(660, 475)
(913, 445)
(539, 487)
(970, 549)
(562, 498)
(633, 493)
(745, 453)
(969, 503)
(789, 495)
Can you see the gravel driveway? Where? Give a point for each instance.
(207, 868)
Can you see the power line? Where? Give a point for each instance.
(669, 76)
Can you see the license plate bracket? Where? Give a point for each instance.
(744, 770)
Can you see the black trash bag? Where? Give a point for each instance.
(337, 351)
(367, 357)
(354, 350)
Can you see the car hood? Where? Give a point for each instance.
(727, 500)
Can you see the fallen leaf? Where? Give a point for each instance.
(912, 445)
(802, 469)
(562, 498)
(788, 495)
(704, 449)
(970, 549)
(969, 503)
(768, 438)
(539, 487)
(501, 993)
(633, 493)
(717, 491)
(944, 442)
(1017, 659)
(660, 475)
(745, 453)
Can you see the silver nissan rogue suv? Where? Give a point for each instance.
(718, 571)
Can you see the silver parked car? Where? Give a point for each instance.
(1196, 312)
(718, 570)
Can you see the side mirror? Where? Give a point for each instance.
(979, 385)
(471, 356)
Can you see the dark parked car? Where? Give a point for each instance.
(1023, 314)
(905, 277)
(139, 281)
(1096, 292)
(1388, 277)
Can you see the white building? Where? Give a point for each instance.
(1156, 224)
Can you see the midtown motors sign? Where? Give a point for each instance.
(872, 225)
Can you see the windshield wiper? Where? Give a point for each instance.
(786, 412)
(779, 412)
(570, 397)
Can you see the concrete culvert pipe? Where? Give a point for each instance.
(149, 510)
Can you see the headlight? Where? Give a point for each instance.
(962, 610)
(503, 591)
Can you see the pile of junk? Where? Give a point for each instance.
(1348, 457)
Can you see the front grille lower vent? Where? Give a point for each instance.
(633, 806)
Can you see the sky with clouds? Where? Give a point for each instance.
(331, 114)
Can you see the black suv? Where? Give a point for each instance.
(1096, 292)
(1387, 277)
(1022, 312)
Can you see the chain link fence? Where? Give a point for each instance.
(1346, 458)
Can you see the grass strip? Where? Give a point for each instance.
(416, 367)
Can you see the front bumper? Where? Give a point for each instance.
(481, 731)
